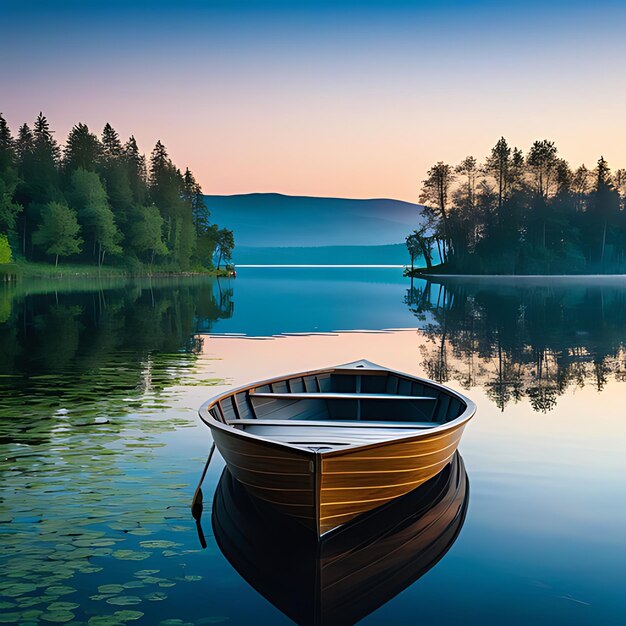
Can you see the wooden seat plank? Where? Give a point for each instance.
(335, 396)
(334, 424)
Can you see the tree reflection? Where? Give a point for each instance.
(519, 340)
(82, 346)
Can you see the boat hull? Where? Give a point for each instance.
(282, 476)
(326, 473)
(354, 481)
(324, 491)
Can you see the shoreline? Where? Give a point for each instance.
(432, 275)
(14, 272)
(521, 276)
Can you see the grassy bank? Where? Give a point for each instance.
(28, 269)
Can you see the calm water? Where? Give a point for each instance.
(101, 449)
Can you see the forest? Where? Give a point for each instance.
(99, 201)
(517, 213)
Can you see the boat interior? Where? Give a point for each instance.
(347, 405)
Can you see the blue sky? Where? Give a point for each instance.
(322, 98)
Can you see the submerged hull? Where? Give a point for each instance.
(326, 473)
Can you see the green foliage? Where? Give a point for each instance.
(89, 198)
(192, 194)
(5, 250)
(58, 233)
(147, 233)
(125, 215)
(530, 214)
(9, 210)
(225, 244)
(82, 149)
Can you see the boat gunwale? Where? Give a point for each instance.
(461, 420)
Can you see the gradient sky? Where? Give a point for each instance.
(353, 99)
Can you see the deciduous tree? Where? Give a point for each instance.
(58, 233)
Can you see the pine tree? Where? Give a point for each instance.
(82, 150)
(166, 183)
(43, 175)
(135, 165)
(115, 174)
(25, 142)
(8, 156)
(44, 143)
(111, 144)
(192, 193)
(9, 209)
(498, 165)
(605, 206)
(160, 166)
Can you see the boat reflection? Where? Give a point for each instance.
(352, 571)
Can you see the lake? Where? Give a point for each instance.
(102, 449)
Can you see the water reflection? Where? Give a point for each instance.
(83, 345)
(353, 571)
(88, 513)
(522, 339)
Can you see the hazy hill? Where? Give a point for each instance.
(390, 254)
(274, 220)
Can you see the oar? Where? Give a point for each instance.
(196, 503)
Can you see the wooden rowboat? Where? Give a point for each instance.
(347, 574)
(327, 445)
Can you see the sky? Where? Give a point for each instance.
(346, 98)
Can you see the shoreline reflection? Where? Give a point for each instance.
(522, 340)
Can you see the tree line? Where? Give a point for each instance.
(99, 200)
(518, 213)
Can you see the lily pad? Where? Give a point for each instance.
(105, 620)
(123, 600)
(158, 543)
(156, 596)
(18, 589)
(63, 606)
(60, 590)
(110, 589)
(130, 555)
(127, 615)
(58, 617)
(134, 584)
(146, 572)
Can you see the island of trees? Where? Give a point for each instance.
(98, 201)
(519, 213)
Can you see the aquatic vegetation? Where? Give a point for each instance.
(86, 501)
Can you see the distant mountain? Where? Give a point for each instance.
(274, 220)
(391, 254)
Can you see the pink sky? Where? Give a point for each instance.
(357, 106)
